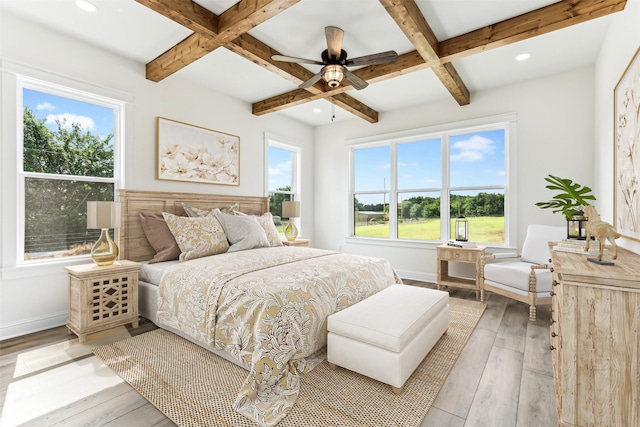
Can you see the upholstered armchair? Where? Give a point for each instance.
(527, 278)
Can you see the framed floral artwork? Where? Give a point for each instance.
(626, 150)
(196, 154)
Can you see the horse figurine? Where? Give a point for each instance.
(601, 230)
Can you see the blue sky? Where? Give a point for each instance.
(96, 119)
(280, 173)
(476, 159)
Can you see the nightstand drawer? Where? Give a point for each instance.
(458, 254)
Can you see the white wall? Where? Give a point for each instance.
(621, 43)
(34, 298)
(554, 136)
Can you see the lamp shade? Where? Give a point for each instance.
(103, 215)
(290, 209)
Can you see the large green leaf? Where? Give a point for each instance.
(571, 199)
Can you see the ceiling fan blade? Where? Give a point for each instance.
(334, 41)
(376, 58)
(283, 58)
(311, 81)
(355, 81)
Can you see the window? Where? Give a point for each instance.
(68, 156)
(282, 178)
(412, 187)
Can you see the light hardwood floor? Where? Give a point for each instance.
(503, 377)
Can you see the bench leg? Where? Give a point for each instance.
(397, 390)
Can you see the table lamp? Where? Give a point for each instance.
(103, 215)
(290, 210)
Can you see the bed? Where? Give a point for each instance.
(264, 308)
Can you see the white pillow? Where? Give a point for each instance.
(197, 237)
(243, 232)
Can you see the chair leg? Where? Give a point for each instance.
(532, 313)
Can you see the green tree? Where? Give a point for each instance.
(276, 199)
(55, 209)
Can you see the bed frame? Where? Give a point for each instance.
(131, 239)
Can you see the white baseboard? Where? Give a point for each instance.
(35, 324)
(415, 275)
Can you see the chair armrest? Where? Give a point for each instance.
(500, 255)
(541, 267)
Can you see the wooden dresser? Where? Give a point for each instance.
(595, 340)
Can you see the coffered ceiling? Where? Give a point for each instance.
(448, 49)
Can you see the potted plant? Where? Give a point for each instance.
(570, 200)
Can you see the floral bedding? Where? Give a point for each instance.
(268, 308)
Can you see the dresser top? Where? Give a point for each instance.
(575, 267)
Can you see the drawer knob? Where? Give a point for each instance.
(457, 255)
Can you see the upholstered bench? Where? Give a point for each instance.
(386, 336)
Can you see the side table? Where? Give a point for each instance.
(297, 242)
(102, 297)
(448, 253)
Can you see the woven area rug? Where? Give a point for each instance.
(194, 387)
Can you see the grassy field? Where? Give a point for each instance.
(481, 229)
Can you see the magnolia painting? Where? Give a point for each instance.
(191, 153)
(627, 158)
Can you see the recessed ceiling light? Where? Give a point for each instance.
(317, 110)
(86, 5)
(523, 57)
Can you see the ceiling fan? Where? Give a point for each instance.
(335, 62)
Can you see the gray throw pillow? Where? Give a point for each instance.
(243, 232)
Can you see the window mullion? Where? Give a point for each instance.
(393, 192)
(445, 224)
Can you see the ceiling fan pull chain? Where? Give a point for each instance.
(333, 111)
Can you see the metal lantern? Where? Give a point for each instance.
(462, 229)
(576, 226)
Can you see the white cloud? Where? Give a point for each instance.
(472, 149)
(67, 119)
(45, 106)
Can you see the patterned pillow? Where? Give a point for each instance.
(194, 212)
(266, 221)
(197, 237)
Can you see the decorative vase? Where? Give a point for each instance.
(105, 250)
(291, 231)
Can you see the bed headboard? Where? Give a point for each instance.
(130, 237)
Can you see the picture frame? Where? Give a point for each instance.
(196, 154)
(626, 202)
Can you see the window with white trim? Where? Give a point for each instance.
(282, 177)
(412, 186)
(68, 154)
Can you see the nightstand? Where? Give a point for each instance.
(448, 253)
(297, 242)
(102, 297)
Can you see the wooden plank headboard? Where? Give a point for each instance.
(130, 237)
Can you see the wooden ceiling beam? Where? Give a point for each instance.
(412, 22)
(553, 17)
(235, 21)
(186, 13)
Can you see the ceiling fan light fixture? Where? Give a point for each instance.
(333, 74)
